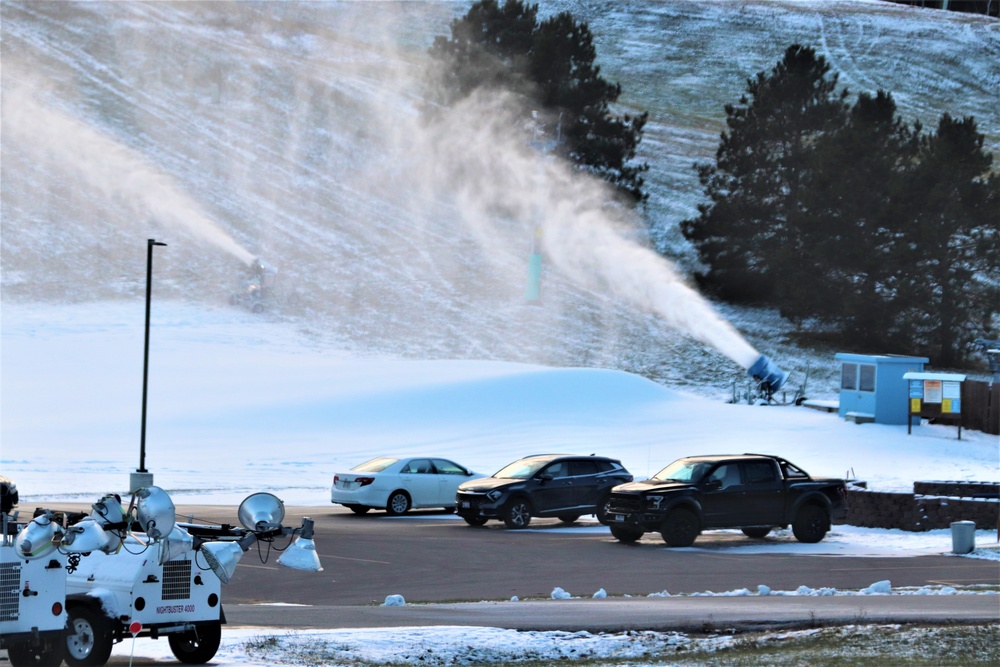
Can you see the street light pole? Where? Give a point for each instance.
(141, 477)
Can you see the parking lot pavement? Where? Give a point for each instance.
(691, 614)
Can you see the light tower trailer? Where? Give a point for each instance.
(32, 595)
(168, 584)
(108, 593)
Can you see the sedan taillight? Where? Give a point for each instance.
(364, 481)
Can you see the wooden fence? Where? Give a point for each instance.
(981, 406)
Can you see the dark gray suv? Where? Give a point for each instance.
(547, 485)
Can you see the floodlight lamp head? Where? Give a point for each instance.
(39, 537)
(84, 537)
(222, 557)
(301, 553)
(8, 495)
(108, 511)
(175, 545)
(155, 512)
(261, 512)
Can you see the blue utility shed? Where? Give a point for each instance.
(872, 387)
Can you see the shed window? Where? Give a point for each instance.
(866, 380)
(857, 377)
(849, 376)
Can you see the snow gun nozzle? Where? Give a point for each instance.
(768, 374)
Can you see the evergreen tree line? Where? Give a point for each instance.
(843, 214)
(550, 63)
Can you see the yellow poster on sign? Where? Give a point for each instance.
(914, 405)
(946, 405)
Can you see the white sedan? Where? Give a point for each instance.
(399, 485)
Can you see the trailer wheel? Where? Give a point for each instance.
(89, 641)
(198, 646)
(51, 652)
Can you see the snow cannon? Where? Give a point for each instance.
(767, 373)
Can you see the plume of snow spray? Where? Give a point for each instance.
(504, 188)
(109, 167)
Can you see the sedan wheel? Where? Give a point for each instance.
(359, 509)
(399, 503)
(518, 514)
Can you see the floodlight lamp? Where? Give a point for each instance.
(38, 538)
(155, 512)
(108, 511)
(301, 553)
(84, 537)
(261, 511)
(223, 557)
(175, 545)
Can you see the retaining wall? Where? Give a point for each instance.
(933, 505)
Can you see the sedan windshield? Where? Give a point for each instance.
(522, 469)
(683, 470)
(375, 465)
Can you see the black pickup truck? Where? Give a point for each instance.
(755, 492)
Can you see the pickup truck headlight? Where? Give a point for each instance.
(653, 502)
(494, 495)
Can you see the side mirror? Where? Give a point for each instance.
(713, 485)
(545, 477)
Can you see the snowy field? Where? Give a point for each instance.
(292, 132)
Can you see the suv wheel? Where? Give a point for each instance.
(602, 510)
(810, 524)
(568, 518)
(517, 514)
(681, 528)
(475, 520)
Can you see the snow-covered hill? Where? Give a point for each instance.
(296, 132)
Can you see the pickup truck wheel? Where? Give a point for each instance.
(680, 529)
(518, 514)
(625, 535)
(475, 520)
(89, 641)
(49, 653)
(198, 646)
(811, 524)
(757, 532)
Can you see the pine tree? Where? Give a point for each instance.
(748, 231)
(952, 290)
(552, 65)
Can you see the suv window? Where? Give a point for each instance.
(580, 467)
(604, 465)
(558, 469)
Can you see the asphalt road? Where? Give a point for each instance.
(431, 557)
